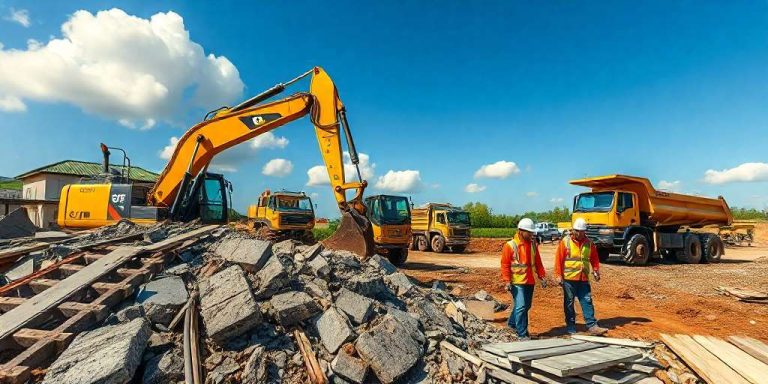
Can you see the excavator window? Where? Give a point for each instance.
(213, 204)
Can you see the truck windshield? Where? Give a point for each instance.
(391, 210)
(594, 202)
(458, 217)
(286, 203)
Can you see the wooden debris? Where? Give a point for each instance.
(746, 295)
(466, 356)
(754, 347)
(315, 373)
(615, 377)
(523, 356)
(704, 363)
(585, 361)
(502, 349)
(614, 341)
(752, 369)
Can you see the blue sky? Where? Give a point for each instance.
(664, 90)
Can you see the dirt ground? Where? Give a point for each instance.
(634, 302)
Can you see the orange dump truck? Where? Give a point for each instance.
(626, 215)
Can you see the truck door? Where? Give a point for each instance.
(626, 210)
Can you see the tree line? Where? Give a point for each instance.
(483, 217)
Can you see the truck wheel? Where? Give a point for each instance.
(691, 253)
(458, 248)
(712, 248)
(438, 243)
(638, 250)
(397, 256)
(603, 254)
(421, 243)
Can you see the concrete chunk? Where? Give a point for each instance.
(320, 267)
(250, 254)
(382, 264)
(162, 299)
(227, 305)
(165, 368)
(357, 307)
(285, 248)
(334, 329)
(16, 224)
(293, 307)
(349, 368)
(272, 278)
(389, 349)
(409, 322)
(105, 355)
(399, 282)
(366, 285)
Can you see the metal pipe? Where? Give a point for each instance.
(195, 343)
(182, 192)
(350, 143)
(280, 87)
(105, 165)
(187, 350)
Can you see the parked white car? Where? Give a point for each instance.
(546, 231)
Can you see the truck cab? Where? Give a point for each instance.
(390, 217)
(283, 212)
(439, 226)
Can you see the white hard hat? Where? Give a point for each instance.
(526, 224)
(580, 224)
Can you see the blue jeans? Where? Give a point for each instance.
(522, 295)
(582, 291)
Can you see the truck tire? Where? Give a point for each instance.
(413, 245)
(603, 254)
(712, 248)
(691, 252)
(458, 248)
(422, 244)
(638, 250)
(398, 256)
(438, 243)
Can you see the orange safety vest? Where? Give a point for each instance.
(577, 261)
(520, 270)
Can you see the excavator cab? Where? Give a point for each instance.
(206, 199)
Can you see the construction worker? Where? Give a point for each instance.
(575, 259)
(518, 257)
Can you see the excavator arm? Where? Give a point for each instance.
(232, 126)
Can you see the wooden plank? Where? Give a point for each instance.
(508, 377)
(754, 347)
(613, 341)
(172, 241)
(493, 359)
(523, 356)
(15, 252)
(744, 364)
(647, 369)
(456, 350)
(544, 377)
(705, 364)
(586, 361)
(614, 377)
(502, 349)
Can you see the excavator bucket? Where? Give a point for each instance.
(355, 234)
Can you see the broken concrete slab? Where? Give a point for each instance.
(366, 285)
(438, 285)
(126, 313)
(389, 349)
(399, 282)
(164, 368)
(320, 267)
(16, 224)
(251, 254)
(51, 235)
(162, 298)
(293, 307)
(409, 322)
(357, 307)
(483, 295)
(316, 287)
(285, 248)
(25, 266)
(349, 368)
(431, 316)
(271, 279)
(382, 264)
(311, 252)
(334, 329)
(480, 308)
(255, 369)
(227, 305)
(109, 354)
(156, 234)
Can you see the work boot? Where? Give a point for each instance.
(597, 330)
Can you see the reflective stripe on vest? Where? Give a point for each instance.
(520, 270)
(577, 261)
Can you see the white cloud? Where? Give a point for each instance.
(671, 186)
(531, 194)
(277, 168)
(556, 200)
(318, 175)
(135, 71)
(231, 159)
(747, 172)
(400, 181)
(498, 170)
(11, 104)
(20, 16)
(474, 188)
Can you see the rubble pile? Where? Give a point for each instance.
(365, 321)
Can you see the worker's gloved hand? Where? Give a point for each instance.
(508, 287)
(596, 275)
(543, 283)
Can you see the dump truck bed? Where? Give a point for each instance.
(664, 208)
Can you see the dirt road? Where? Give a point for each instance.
(637, 302)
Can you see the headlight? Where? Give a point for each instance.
(605, 231)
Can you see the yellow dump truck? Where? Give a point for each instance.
(437, 226)
(283, 214)
(628, 216)
(390, 217)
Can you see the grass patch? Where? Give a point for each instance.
(501, 233)
(322, 233)
(11, 184)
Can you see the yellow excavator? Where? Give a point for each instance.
(283, 215)
(186, 190)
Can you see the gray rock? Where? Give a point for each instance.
(349, 368)
(293, 307)
(108, 354)
(179, 270)
(251, 254)
(126, 314)
(334, 329)
(483, 295)
(25, 266)
(438, 285)
(389, 349)
(284, 248)
(272, 278)
(316, 287)
(156, 234)
(165, 368)
(382, 264)
(16, 224)
(366, 285)
(410, 324)
(431, 316)
(320, 267)
(255, 369)
(399, 282)
(162, 298)
(357, 307)
(227, 305)
(312, 251)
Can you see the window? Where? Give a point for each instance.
(594, 202)
(441, 218)
(212, 202)
(625, 201)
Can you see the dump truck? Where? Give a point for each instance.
(390, 217)
(626, 215)
(283, 215)
(437, 226)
